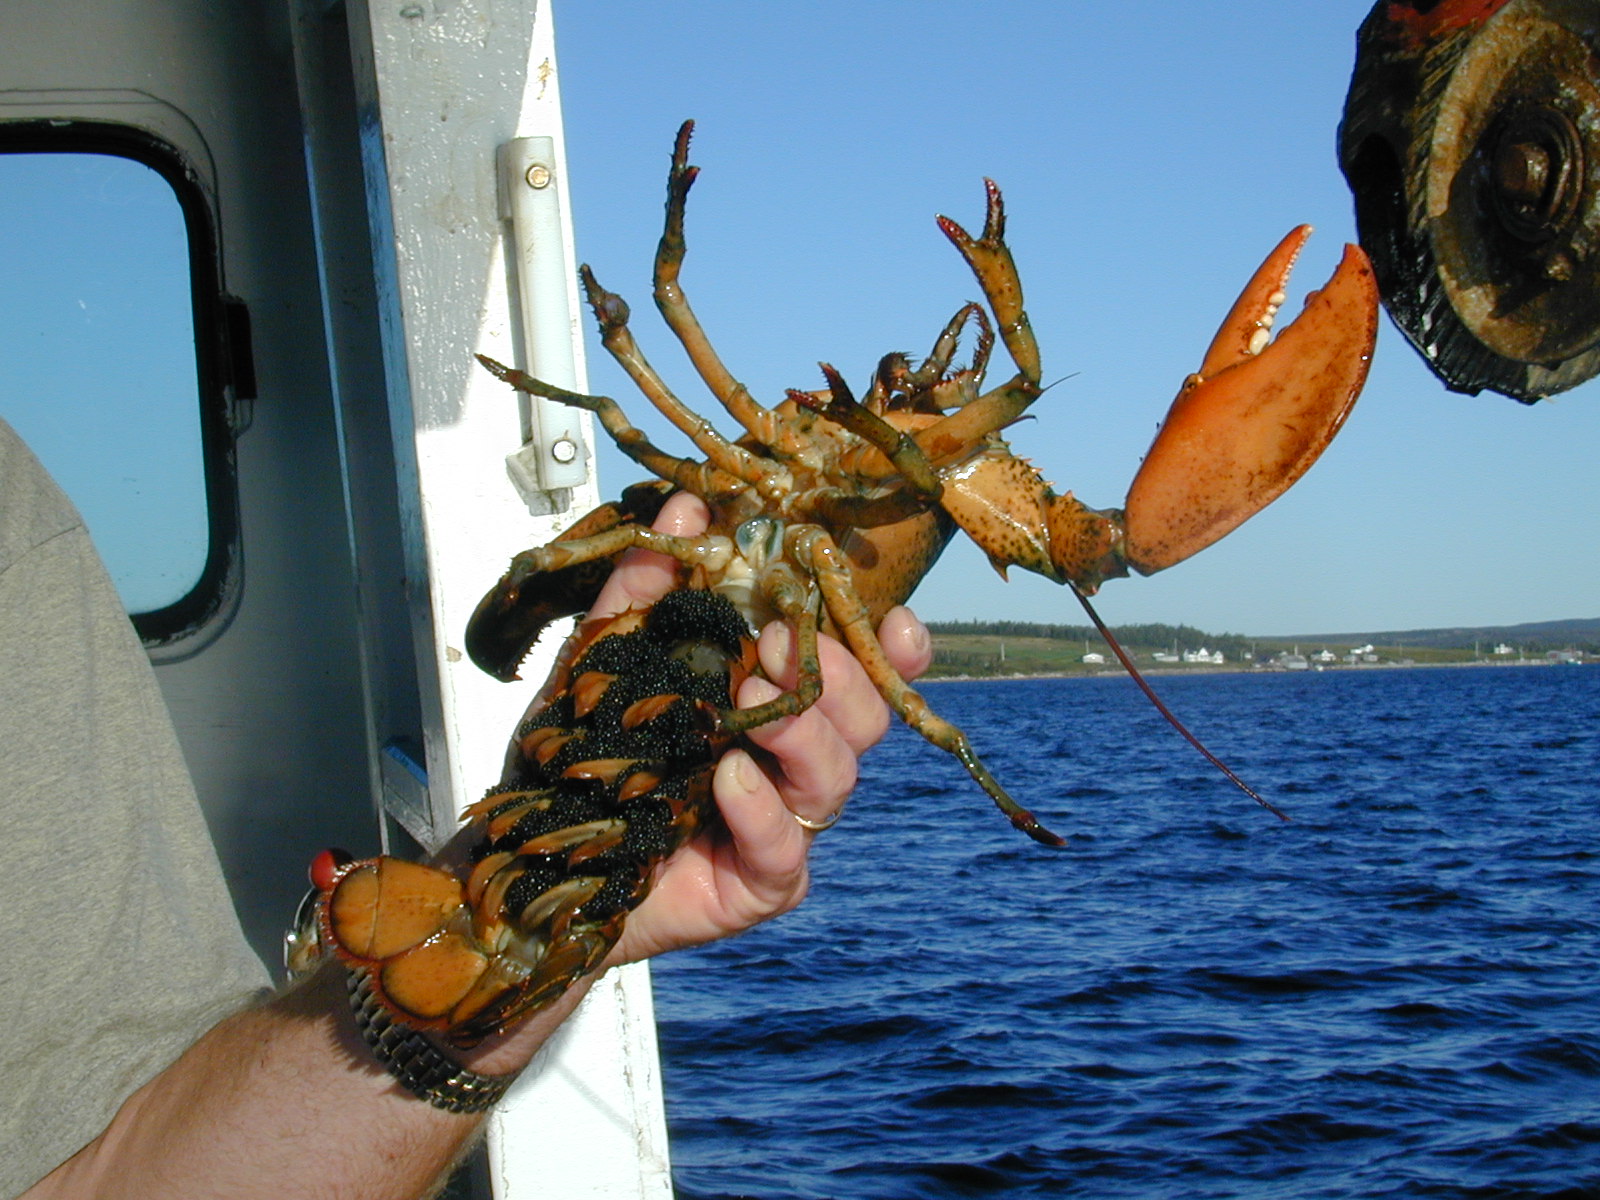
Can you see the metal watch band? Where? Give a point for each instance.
(420, 1066)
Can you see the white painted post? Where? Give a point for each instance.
(445, 86)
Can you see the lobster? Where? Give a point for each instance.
(825, 512)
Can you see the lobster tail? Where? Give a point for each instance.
(607, 779)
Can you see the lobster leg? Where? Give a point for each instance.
(991, 261)
(708, 553)
(814, 548)
(899, 448)
(727, 468)
(612, 313)
(763, 424)
(848, 510)
(951, 438)
(931, 374)
(915, 487)
(798, 603)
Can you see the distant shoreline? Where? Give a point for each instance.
(1164, 671)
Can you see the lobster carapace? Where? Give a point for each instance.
(826, 512)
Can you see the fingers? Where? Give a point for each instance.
(850, 700)
(813, 763)
(643, 576)
(771, 844)
(906, 642)
(813, 756)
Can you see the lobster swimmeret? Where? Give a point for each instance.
(826, 512)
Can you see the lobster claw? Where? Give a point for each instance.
(1256, 415)
(512, 615)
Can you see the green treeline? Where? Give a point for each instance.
(1157, 636)
(1186, 635)
(1031, 647)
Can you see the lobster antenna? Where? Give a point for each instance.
(1127, 662)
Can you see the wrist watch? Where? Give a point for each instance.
(412, 1058)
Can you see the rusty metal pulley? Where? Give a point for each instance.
(1471, 141)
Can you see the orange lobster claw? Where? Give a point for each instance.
(1256, 415)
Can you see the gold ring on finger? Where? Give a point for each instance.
(817, 826)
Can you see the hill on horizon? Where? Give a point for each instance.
(1535, 637)
(986, 648)
(1577, 630)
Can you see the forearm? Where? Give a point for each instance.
(284, 1101)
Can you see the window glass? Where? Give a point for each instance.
(97, 359)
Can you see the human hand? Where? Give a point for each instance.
(754, 867)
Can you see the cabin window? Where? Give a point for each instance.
(110, 367)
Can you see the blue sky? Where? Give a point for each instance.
(1150, 153)
(96, 358)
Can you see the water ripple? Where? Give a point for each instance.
(1393, 996)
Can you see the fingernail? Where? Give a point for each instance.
(756, 690)
(745, 772)
(920, 638)
(773, 648)
(917, 638)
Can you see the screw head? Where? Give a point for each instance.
(1522, 171)
(1535, 172)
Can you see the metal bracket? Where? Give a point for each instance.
(554, 455)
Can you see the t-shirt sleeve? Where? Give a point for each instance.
(119, 939)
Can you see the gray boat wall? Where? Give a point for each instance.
(385, 185)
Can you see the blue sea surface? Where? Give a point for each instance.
(1393, 995)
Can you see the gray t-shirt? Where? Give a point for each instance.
(119, 944)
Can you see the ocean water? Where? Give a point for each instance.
(1394, 995)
